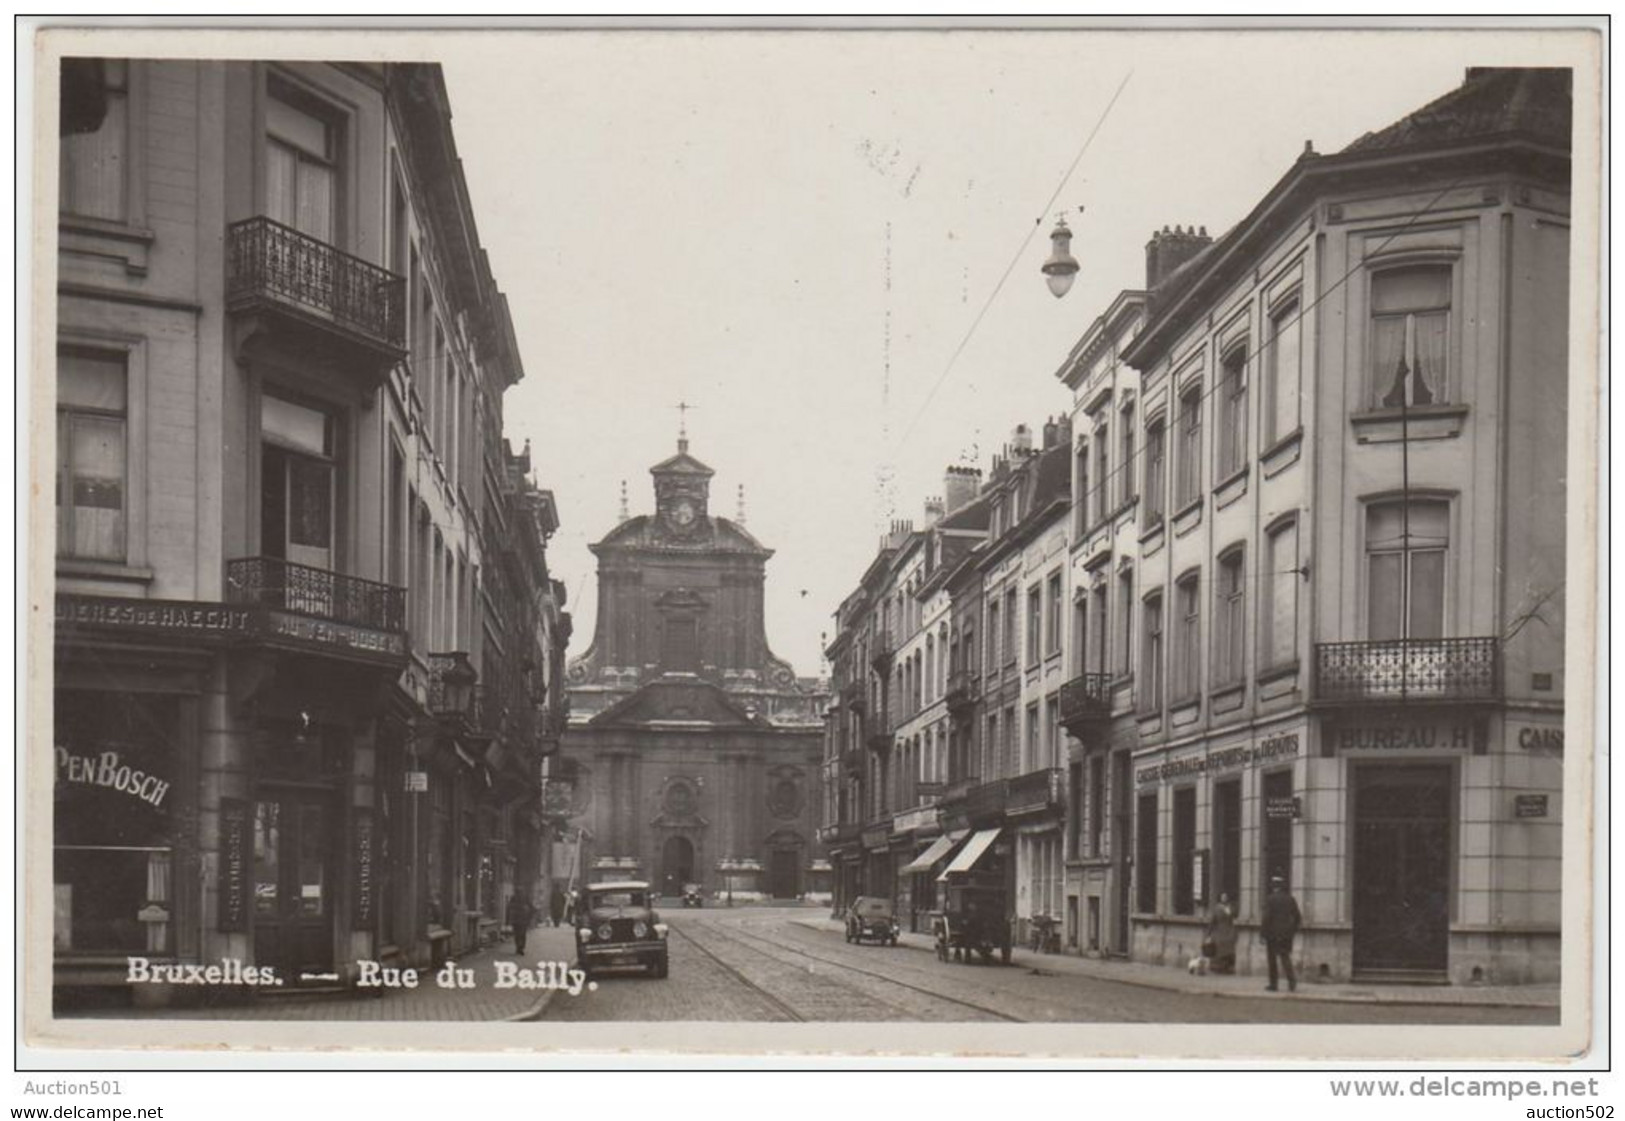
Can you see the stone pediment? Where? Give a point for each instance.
(677, 699)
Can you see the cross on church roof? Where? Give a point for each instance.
(682, 408)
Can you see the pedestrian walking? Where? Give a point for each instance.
(521, 913)
(555, 904)
(1279, 927)
(1219, 944)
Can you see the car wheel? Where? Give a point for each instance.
(1004, 955)
(660, 968)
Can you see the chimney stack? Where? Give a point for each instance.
(1050, 431)
(959, 486)
(1168, 249)
(1021, 441)
(933, 512)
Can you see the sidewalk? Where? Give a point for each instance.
(428, 1001)
(1172, 979)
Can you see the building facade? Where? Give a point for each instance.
(290, 729)
(1336, 655)
(692, 753)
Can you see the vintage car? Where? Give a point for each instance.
(871, 917)
(693, 895)
(616, 926)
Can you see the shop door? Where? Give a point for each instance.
(1402, 870)
(1122, 839)
(293, 885)
(783, 868)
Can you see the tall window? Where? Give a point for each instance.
(1052, 732)
(1284, 368)
(993, 633)
(1033, 760)
(1081, 502)
(1278, 584)
(1035, 622)
(1405, 588)
(1008, 762)
(298, 465)
(1080, 635)
(1229, 619)
(300, 178)
(1097, 804)
(1233, 413)
(1054, 646)
(1189, 486)
(1145, 853)
(1074, 822)
(1151, 655)
(1125, 459)
(1227, 839)
(93, 165)
(91, 461)
(1185, 850)
(397, 517)
(1187, 651)
(1410, 336)
(990, 748)
(1097, 635)
(1010, 625)
(1156, 467)
(1103, 474)
(1125, 614)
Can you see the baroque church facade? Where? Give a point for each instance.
(692, 752)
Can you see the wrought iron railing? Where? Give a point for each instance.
(964, 687)
(983, 800)
(318, 592)
(879, 739)
(840, 833)
(1408, 669)
(267, 260)
(1036, 792)
(881, 647)
(1086, 697)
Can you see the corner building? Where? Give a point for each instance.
(693, 753)
(1319, 555)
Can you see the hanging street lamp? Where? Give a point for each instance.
(1061, 266)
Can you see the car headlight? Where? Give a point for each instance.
(640, 929)
(605, 933)
(583, 934)
(660, 930)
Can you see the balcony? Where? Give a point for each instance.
(320, 611)
(1036, 792)
(854, 698)
(979, 803)
(879, 740)
(841, 833)
(1085, 701)
(882, 648)
(1408, 670)
(277, 272)
(964, 690)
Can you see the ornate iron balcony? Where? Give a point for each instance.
(980, 802)
(964, 688)
(1085, 699)
(1041, 791)
(278, 266)
(1408, 669)
(316, 592)
(881, 648)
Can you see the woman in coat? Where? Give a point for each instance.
(1221, 936)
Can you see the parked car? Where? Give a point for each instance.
(871, 917)
(616, 925)
(693, 895)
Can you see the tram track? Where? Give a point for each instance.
(754, 942)
(787, 1009)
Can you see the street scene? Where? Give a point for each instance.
(478, 600)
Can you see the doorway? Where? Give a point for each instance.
(1402, 870)
(294, 890)
(676, 865)
(784, 873)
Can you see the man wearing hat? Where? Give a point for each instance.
(1279, 927)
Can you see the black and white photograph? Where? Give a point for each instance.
(1064, 540)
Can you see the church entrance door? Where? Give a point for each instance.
(784, 880)
(676, 865)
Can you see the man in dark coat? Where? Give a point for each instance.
(1279, 927)
(521, 913)
(555, 904)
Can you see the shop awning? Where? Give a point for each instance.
(971, 853)
(934, 852)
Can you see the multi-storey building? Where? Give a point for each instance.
(280, 362)
(1341, 566)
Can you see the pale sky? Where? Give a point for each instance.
(706, 217)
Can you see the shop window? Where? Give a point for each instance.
(301, 157)
(91, 459)
(94, 163)
(1156, 467)
(1233, 412)
(1283, 372)
(1410, 336)
(1280, 599)
(1145, 854)
(1405, 586)
(1229, 619)
(1227, 840)
(1188, 648)
(115, 814)
(1277, 830)
(1189, 485)
(1151, 654)
(1184, 840)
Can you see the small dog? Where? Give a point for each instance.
(1197, 966)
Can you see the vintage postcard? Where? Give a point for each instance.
(943, 540)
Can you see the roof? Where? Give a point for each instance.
(681, 464)
(717, 535)
(1493, 101)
